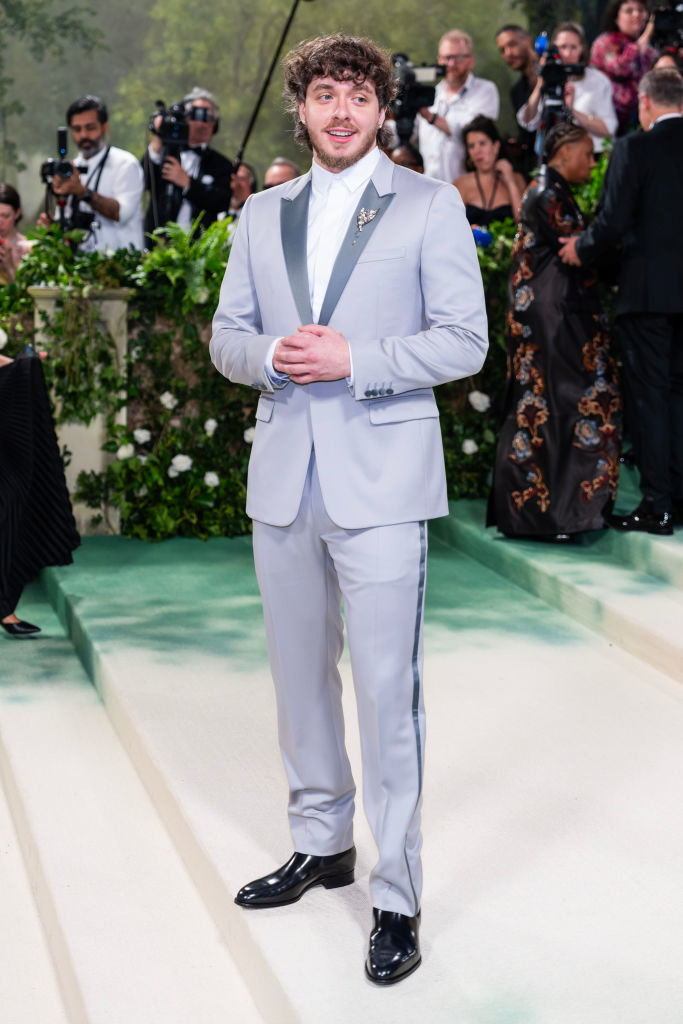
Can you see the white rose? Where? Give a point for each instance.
(125, 451)
(181, 463)
(168, 400)
(210, 426)
(172, 472)
(469, 446)
(249, 434)
(141, 435)
(479, 401)
(3, 338)
(211, 479)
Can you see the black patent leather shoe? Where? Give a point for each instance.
(20, 628)
(301, 872)
(660, 523)
(394, 947)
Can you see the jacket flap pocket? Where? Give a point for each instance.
(403, 407)
(264, 409)
(381, 254)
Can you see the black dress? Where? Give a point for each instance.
(482, 217)
(37, 527)
(556, 468)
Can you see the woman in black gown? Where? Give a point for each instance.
(37, 528)
(556, 468)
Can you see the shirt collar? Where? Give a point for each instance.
(442, 89)
(665, 117)
(353, 177)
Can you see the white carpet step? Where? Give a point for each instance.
(625, 587)
(130, 938)
(552, 819)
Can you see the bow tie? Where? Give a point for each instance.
(196, 149)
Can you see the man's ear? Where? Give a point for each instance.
(302, 109)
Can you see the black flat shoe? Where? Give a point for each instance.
(659, 523)
(301, 872)
(19, 628)
(394, 947)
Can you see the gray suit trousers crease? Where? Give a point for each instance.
(304, 571)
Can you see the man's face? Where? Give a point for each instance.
(342, 119)
(87, 132)
(515, 49)
(200, 132)
(240, 183)
(278, 174)
(458, 60)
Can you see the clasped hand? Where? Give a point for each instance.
(314, 352)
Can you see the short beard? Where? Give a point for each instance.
(97, 148)
(341, 162)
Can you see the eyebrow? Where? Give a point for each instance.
(328, 84)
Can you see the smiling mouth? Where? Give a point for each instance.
(340, 134)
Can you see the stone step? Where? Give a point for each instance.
(592, 582)
(129, 937)
(552, 798)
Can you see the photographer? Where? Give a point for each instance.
(624, 52)
(105, 194)
(200, 174)
(587, 96)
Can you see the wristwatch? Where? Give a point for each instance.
(87, 196)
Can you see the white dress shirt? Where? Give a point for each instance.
(444, 155)
(121, 179)
(190, 160)
(333, 201)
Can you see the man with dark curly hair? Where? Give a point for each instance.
(377, 267)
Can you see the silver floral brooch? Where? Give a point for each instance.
(364, 217)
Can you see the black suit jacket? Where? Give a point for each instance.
(210, 196)
(641, 208)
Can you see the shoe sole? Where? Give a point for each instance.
(331, 882)
(395, 980)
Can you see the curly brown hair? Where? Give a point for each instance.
(339, 57)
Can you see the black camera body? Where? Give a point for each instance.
(668, 27)
(174, 130)
(59, 166)
(412, 92)
(555, 74)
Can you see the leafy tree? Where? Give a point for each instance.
(45, 27)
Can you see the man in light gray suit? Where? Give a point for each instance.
(377, 266)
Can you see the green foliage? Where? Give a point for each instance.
(179, 466)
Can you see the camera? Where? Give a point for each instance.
(555, 74)
(668, 26)
(61, 166)
(174, 131)
(412, 94)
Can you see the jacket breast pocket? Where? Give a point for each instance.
(264, 409)
(371, 255)
(403, 407)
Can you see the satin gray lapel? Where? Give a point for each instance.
(355, 240)
(294, 235)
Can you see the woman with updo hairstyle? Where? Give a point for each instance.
(491, 190)
(13, 245)
(557, 461)
(624, 53)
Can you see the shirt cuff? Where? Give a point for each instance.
(278, 380)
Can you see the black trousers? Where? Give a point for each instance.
(652, 351)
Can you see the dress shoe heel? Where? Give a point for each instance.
(337, 881)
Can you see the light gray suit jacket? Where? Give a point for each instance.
(406, 292)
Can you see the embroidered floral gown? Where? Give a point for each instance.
(556, 468)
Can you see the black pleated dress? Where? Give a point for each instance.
(37, 527)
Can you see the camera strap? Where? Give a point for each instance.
(97, 171)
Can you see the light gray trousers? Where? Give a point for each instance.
(304, 571)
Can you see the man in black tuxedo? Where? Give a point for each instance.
(201, 176)
(642, 209)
